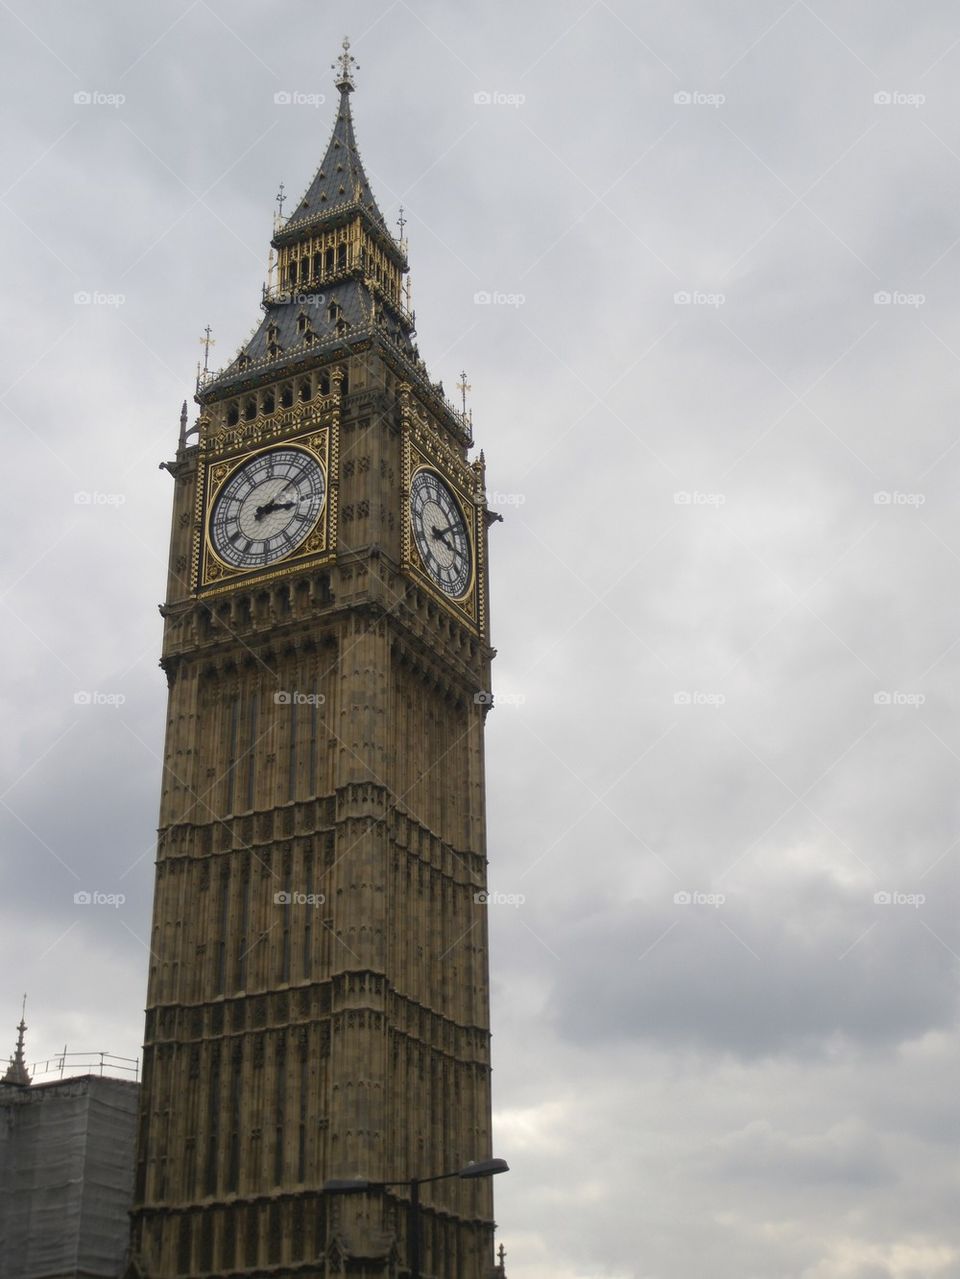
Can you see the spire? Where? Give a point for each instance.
(17, 1072)
(340, 180)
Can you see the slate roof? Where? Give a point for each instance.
(352, 300)
(340, 180)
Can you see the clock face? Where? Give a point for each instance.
(440, 533)
(268, 507)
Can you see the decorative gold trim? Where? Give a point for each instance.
(468, 606)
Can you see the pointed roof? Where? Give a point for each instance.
(340, 180)
(17, 1072)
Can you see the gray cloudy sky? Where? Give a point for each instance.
(717, 392)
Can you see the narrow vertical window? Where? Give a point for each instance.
(232, 754)
(292, 754)
(252, 717)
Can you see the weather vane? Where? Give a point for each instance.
(464, 386)
(207, 342)
(346, 61)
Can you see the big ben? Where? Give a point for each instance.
(318, 1008)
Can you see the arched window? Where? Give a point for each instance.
(324, 384)
(267, 402)
(250, 410)
(341, 257)
(286, 397)
(317, 266)
(305, 390)
(233, 415)
(328, 259)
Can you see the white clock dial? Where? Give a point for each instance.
(268, 507)
(440, 532)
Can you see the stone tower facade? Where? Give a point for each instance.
(318, 990)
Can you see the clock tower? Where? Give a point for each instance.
(317, 1005)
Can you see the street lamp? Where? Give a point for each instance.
(360, 1185)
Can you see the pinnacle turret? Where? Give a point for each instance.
(17, 1072)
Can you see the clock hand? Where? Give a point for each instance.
(270, 507)
(438, 533)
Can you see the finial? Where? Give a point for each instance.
(501, 1257)
(183, 424)
(401, 222)
(17, 1072)
(280, 198)
(207, 342)
(346, 61)
(463, 386)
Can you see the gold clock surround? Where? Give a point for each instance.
(421, 457)
(212, 575)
